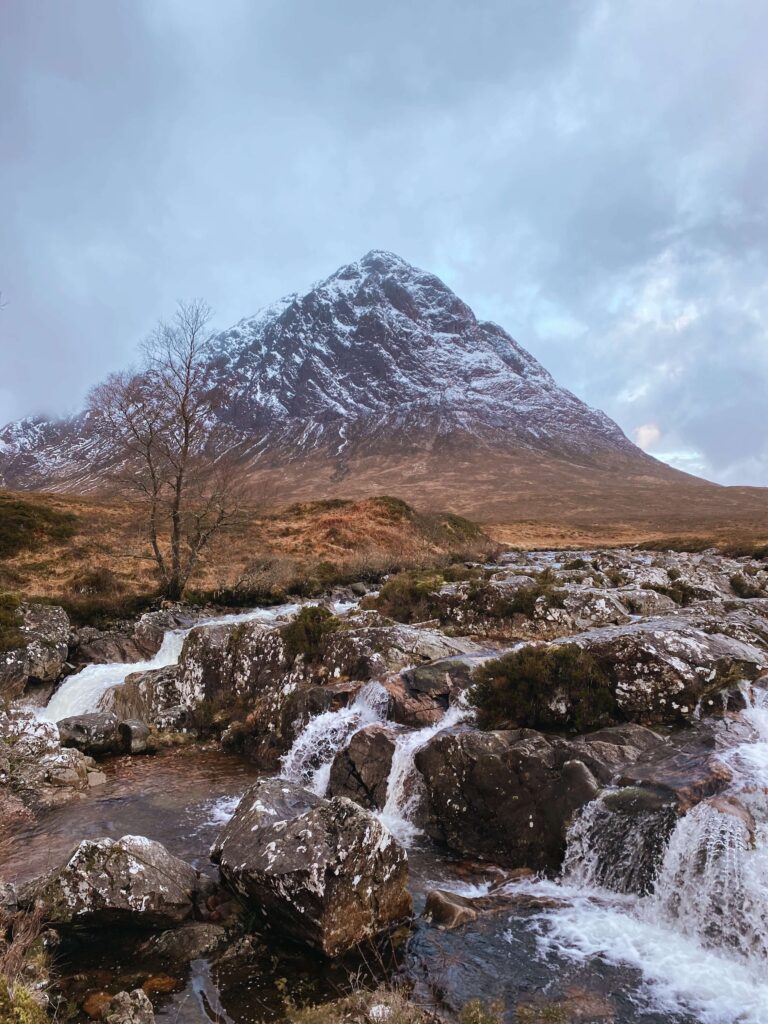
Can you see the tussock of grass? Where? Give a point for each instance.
(528, 689)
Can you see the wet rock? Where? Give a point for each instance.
(129, 1008)
(130, 882)
(187, 943)
(507, 796)
(324, 873)
(33, 766)
(32, 669)
(134, 736)
(95, 734)
(608, 751)
(448, 910)
(361, 771)
(420, 696)
(685, 771)
(153, 697)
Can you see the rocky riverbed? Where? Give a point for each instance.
(541, 783)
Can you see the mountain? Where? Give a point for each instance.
(380, 379)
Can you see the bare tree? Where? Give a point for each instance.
(172, 447)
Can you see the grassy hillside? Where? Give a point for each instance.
(91, 555)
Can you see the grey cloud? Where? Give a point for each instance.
(590, 174)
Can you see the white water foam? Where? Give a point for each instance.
(80, 693)
(309, 760)
(403, 783)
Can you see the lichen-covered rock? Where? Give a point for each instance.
(134, 736)
(361, 770)
(31, 670)
(33, 765)
(421, 695)
(154, 697)
(324, 873)
(661, 669)
(130, 882)
(129, 1008)
(96, 733)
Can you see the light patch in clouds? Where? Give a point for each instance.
(646, 436)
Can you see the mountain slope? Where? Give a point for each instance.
(381, 380)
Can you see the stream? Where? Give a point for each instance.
(691, 947)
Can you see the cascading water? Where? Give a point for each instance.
(693, 916)
(403, 783)
(80, 693)
(309, 760)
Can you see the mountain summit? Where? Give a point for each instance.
(383, 350)
(379, 379)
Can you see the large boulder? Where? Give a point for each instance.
(662, 669)
(361, 770)
(324, 873)
(506, 796)
(96, 733)
(421, 695)
(154, 697)
(131, 882)
(31, 669)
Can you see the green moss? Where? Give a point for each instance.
(19, 1006)
(304, 635)
(27, 526)
(543, 688)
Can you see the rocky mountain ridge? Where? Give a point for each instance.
(379, 360)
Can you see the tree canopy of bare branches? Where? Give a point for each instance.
(172, 449)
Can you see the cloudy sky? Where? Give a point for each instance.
(591, 174)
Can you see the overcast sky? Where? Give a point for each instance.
(590, 174)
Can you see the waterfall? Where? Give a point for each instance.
(683, 900)
(309, 760)
(404, 783)
(80, 693)
(712, 884)
(618, 841)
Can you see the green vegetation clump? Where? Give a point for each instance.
(409, 596)
(674, 574)
(11, 636)
(615, 577)
(524, 600)
(103, 610)
(18, 1006)
(26, 526)
(477, 1011)
(744, 587)
(576, 563)
(681, 593)
(543, 688)
(304, 635)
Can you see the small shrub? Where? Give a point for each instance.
(11, 636)
(525, 688)
(744, 587)
(408, 597)
(576, 563)
(674, 574)
(99, 580)
(681, 593)
(615, 577)
(103, 610)
(525, 599)
(305, 633)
